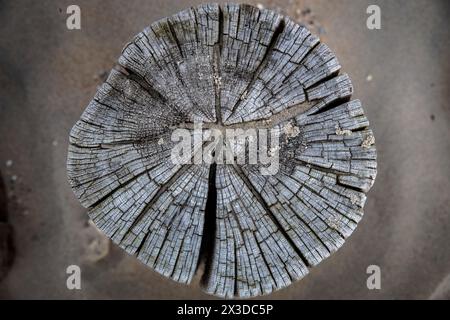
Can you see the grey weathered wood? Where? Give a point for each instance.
(227, 66)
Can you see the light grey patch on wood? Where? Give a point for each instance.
(231, 66)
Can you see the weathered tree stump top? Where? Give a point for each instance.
(233, 66)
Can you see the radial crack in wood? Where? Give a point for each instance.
(225, 67)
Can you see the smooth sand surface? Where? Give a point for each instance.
(48, 75)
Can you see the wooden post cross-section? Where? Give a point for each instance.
(228, 67)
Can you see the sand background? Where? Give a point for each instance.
(48, 74)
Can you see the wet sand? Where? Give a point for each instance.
(400, 73)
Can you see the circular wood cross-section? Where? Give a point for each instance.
(226, 67)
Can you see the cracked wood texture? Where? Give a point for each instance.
(227, 66)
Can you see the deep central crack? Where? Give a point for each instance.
(209, 225)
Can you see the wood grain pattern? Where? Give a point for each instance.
(227, 66)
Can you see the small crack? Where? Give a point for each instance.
(266, 207)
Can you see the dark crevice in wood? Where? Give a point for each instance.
(208, 242)
(266, 207)
(93, 147)
(104, 104)
(91, 123)
(339, 183)
(331, 105)
(323, 80)
(361, 129)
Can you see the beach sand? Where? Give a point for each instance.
(48, 75)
